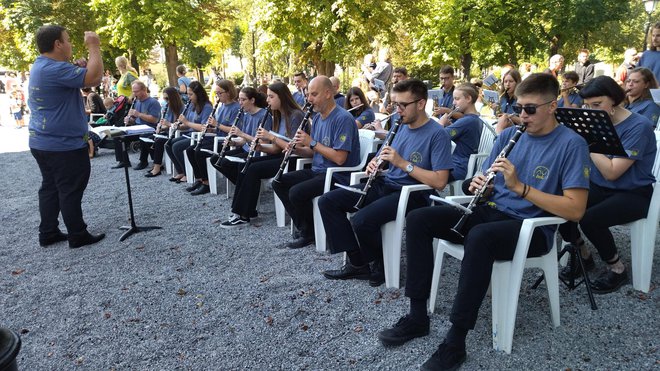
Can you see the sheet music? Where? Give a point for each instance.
(491, 96)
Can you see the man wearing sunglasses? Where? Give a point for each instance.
(419, 153)
(546, 173)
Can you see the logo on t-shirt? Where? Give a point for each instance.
(541, 172)
(452, 132)
(342, 138)
(326, 141)
(586, 171)
(415, 157)
(632, 152)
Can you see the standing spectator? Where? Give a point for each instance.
(584, 68)
(183, 82)
(16, 108)
(58, 132)
(556, 64)
(651, 58)
(629, 60)
(128, 75)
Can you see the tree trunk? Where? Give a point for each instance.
(513, 54)
(134, 61)
(555, 44)
(171, 61)
(200, 74)
(326, 68)
(466, 46)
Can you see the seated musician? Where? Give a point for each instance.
(145, 111)
(359, 107)
(253, 104)
(465, 132)
(569, 95)
(444, 106)
(287, 116)
(419, 153)
(620, 189)
(334, 141)
(545, 173)
(173, 108)
(192, 119)
(300, 81)
(506, 116)
(340, 98)
(226, 110)
(638, 95)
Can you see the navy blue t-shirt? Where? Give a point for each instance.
(226, 114)
(250, 123)
(337, 131)
(340, 99)
(58, 121)
(199, 118)
(447, 99)
(427, 147)
(466, 133)
(573, 98)
(366, 117)
(299, 97)
(651, 60)
(647, 108)
(149, 106)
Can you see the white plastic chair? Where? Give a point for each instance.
(366, 140)
(212, 172)
(506, 277)
(95, 116)
(190, 174)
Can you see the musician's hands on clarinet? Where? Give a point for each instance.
(301, 138)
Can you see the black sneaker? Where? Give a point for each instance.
(572, 271)
(235, 222)
(347, 272)
(404, 330)
(609, 281)
(194, 186)
(376, 274)
(446, 358)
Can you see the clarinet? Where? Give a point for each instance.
(308, 109)
(198, 145)
(225, 145)
(255, 142)
(129, 110)
(175, 124)
(379, 164)
(490, 176)
(162, 115)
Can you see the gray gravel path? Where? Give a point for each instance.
(196, 297)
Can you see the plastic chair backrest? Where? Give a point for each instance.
(366, 143)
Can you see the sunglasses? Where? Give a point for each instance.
(530, 109)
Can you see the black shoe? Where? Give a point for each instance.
(86, 239)
(300, 242)
(203, 189)
(176, 180)
(376, 274)
(119, 165)
(151, 175)
(141, 165)
(404, 330)
(51, 239)
(572, 270)
(194, 186)
(609, 281)
(446, 358)
(347, 272)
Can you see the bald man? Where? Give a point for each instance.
(340, 98)
(334, 142)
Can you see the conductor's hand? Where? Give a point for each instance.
(92, 39)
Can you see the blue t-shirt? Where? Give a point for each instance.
(296, 119)
(299, 97)
(636, 135)
(340, 99)
(366, 117)
(647, 108)
(651, 60)
(337, 131)
(573, 98)
(226, 114)
(447, 99)
(199, 118)
(506, 104)
(250, 123)
(185, 80)
(427, 147)
(466, 133)
(550, 163)
(149, 106)
(58, 121)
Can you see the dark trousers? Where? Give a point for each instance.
(198, 158)
(228, 168)
(489, 235)
(64, 179)
(120, 154)
(296, 190)
(159, 150)
(607, 208)
(248, 185)
(362, 231)
(175, 148)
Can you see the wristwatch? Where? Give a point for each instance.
(312, 144)
(409, 168)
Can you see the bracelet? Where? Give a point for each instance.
(525, 192)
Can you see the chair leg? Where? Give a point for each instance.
(190, 176)
(319, 229)
(435, 282)
(213, 177)
(391, 255)
(551, 273)
(500, 301)
(168, 163)
(642, 244)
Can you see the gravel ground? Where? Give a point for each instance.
(194, 296)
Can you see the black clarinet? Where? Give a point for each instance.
(255, 142)
(308, 109)
(198, 145)
(175, 125)
(127, 123)
(225, 145)
(162, 117)
(490, 176)
(379, 163)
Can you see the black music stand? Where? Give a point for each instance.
(133, 228)
(596, 127)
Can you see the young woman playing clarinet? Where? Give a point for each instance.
(510, 80)
(359, 106)
(286, 119)
(638, 95)
(174, 107)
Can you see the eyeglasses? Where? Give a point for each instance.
(530, 109)
(402, 105)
